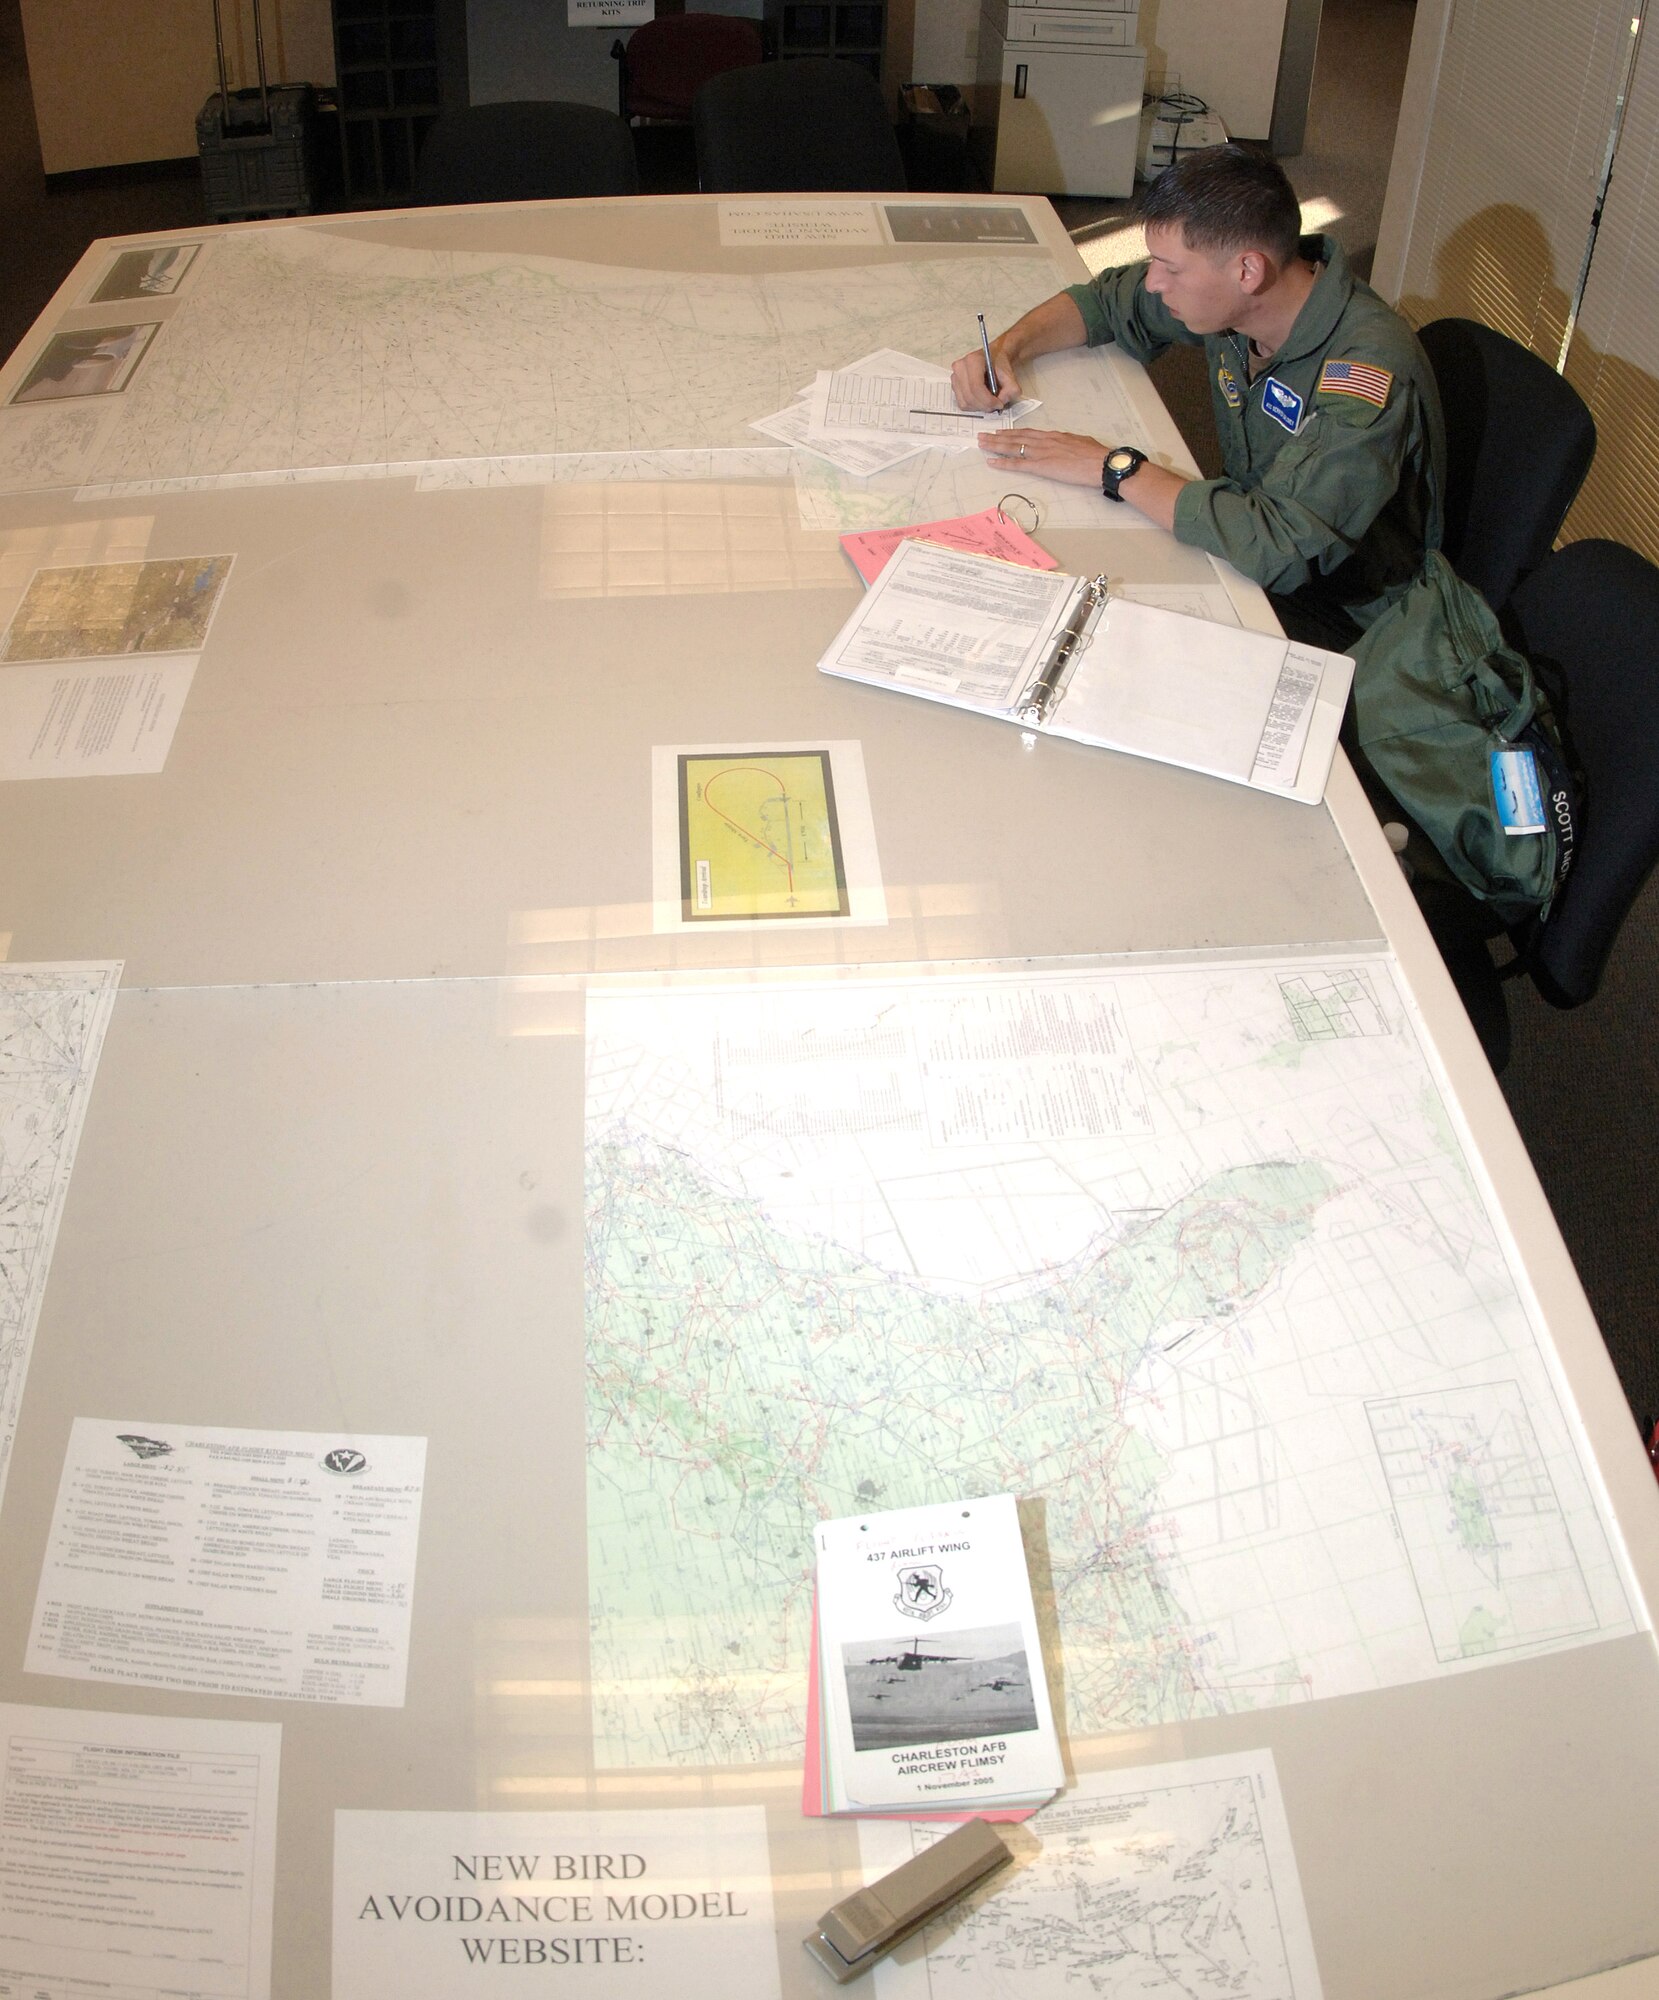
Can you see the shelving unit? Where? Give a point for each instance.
(390, 85)
(855, 30)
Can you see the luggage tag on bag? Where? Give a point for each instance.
(1516, 791)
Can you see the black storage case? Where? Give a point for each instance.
(258, 147)
(262, 158)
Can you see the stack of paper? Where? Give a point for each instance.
(880, 411)
(929, 1695)
(990, 533)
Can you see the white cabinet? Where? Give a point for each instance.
(1071, 27)
(1058, 98)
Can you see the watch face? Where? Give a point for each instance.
(1121, 461)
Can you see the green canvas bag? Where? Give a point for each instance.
(1436, 690)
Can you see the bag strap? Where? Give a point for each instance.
(1476, 632)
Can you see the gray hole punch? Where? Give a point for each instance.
(865, 1926)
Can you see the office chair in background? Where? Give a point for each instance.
(1519, 441)
(1588, 616)
(665, 62)
(525, 152)
(811, 125)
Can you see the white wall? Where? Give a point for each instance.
(946, 42)
(116, 82)
(1225, 51)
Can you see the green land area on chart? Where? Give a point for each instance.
(1215, 1296)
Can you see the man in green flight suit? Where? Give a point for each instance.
(1330, 425)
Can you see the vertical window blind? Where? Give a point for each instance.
(1513, 162)
(1613, 355)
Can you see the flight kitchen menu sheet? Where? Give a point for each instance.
(232, 1562)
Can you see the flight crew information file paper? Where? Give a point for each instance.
(1056, 654)
(232, 1562)
(137, 1854)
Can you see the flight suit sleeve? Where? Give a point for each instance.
(1117, 306)
(1317, 498)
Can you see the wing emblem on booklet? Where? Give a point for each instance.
(922, 1592)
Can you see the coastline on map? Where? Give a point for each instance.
(938, 1688)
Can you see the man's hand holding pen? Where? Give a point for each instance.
(970, 384)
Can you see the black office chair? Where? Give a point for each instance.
(538, 151)
(808, 126)
(1518, 444)
(1588, 618)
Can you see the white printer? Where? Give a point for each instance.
(1058, 99)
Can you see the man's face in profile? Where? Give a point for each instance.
(1203, 291)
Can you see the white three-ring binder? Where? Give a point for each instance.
(1060, 655)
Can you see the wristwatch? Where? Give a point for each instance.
(1119, 463)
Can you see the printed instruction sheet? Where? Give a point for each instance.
(84, 721)
(1174, 1878)
(137, 1854)
(96, 661)
(449, 1905)
(232, 1562)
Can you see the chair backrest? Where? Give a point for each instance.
(1518, 444)
(1591, 610)
(666, 62)
(810, 125)
(538, 151)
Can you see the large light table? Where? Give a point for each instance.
(332, 1172)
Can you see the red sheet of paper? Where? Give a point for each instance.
(986, 534)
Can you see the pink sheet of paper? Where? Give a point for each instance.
(812, 1776)
(986, 534)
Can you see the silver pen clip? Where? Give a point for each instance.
(1044, 691)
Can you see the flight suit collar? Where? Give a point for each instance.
(1323, 306)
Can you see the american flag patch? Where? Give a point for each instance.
(1355, 378)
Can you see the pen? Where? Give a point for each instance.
(991, 381)
(973, 416)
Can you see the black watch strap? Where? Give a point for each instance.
(1130, 461)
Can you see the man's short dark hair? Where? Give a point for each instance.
(1227, 198)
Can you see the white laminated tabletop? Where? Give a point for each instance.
(332, 1169)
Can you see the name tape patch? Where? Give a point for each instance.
(1516, 791)
(1282, 404)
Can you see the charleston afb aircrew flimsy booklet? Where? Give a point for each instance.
(1059, 654)
(930, 1669)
